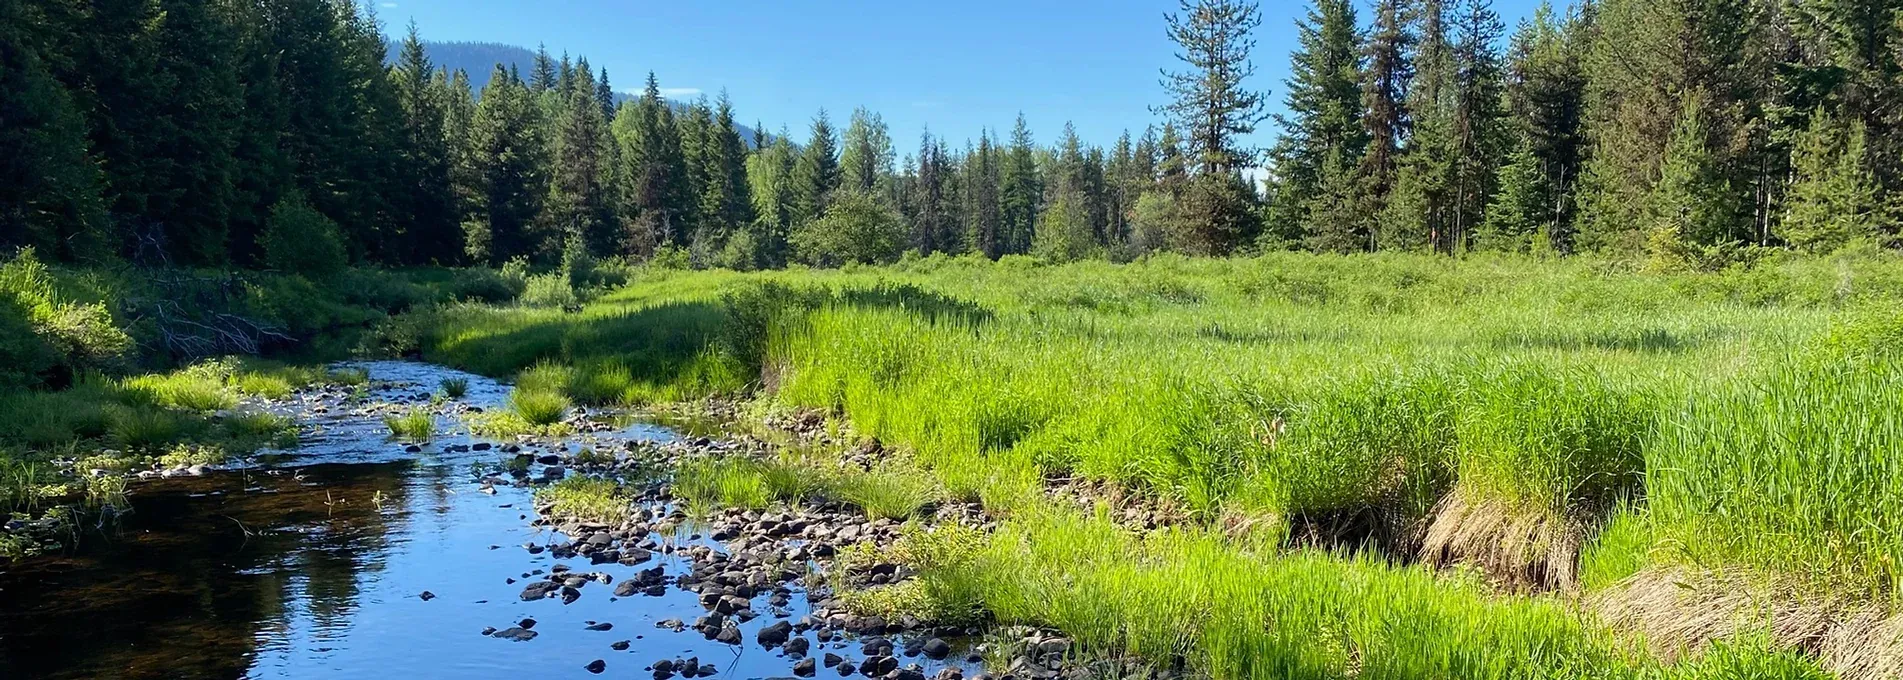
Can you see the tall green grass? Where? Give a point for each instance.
(1699, 418)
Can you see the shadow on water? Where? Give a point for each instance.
(312, 565)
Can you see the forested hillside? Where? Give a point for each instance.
(1686, 133)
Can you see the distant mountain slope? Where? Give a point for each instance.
(479, 60)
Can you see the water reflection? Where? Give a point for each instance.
(176, 587)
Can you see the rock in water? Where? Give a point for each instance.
(596, 666)
(517, 634)
(936, 649)
(805, 668)
(774, 635)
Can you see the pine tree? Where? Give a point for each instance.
(459, 121)
(1419, 208)
(505, 154)
(1477, 119)
(1323, 122)
(1019, 193)
(430, 219)
(1385, 118)
(580, 205)
(984, 218)
(1833, 201)
(49, 187)
(542, 75)
(1693, 203)
(1519, 210)
(1545, 95)
(816, 175)
(726, 200)
(1216, 108)
(659, 201)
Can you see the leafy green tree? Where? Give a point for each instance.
(857, 227)
(866, 156)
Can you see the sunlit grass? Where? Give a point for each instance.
(538, 408)
(585, 498)
(455, 388)
(415, 425)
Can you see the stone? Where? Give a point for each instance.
(936, 649)
(805, 668)
(596, 666)
(516, 634)
(774, 635)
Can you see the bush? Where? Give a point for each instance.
(485, 285)
(299, 240)
(550, 290)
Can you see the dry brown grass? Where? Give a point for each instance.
(1531, 549)
(1680, 612)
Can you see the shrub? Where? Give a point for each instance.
(538, 408)
(549, 290)
(485, 285)
(300, 240)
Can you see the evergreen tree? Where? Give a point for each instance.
(725, 201)
(1019, 193)
(430, 218)
(1477, 119)
(771, 177)
(816, 174)
(1519, 210)
(1419, 208)
(1383, 91)
(542, 74)
(505, 155)
(580, 205)
(1545, 95)
(1833, 200)
(1323, 122)
(1216, 108)
(1693, 203)
(658, 196)
(983, 212)
(49, 187)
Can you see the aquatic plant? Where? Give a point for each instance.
(414, 425)
(538, 408)
(455, 388)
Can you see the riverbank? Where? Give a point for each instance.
(1412, 455)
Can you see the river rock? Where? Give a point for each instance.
(516, 634)
(774, 635)
(805, 668)
(596, 666)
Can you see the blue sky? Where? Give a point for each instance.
(958, 67)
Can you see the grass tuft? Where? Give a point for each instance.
(538, 408)
(415, 425)
(455, 388)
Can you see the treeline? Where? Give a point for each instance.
(271, 133)
(1685, 130)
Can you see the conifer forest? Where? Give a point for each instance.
(1561, 346)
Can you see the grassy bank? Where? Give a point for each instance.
(122, 369)
(1566, 428)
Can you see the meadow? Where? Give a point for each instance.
(1384, 466)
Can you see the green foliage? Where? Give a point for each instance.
(455, 388)
(549, 290)
(1834, 200)
(538, 408)
(415, 425)
(857, 227)
(591, 499)
(300, 240)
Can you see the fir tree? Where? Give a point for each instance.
(1833, 201)
(430, 216)
(816, 175)
(505, 156)
(1323, 121)
(1019, 192)
(1214, 105)
(49, 187)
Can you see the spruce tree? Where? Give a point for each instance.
(505, 154)
(1385, 118)
(49, 186)
(656, 192)
(579, 207)
(866, 155)
(816, 175)
(1019, 192)
(430, 215)
(1834, 199)
(983, 213)
(1323, 122)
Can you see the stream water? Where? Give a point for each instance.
(314, 563)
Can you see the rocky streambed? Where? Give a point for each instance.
(356, 556)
